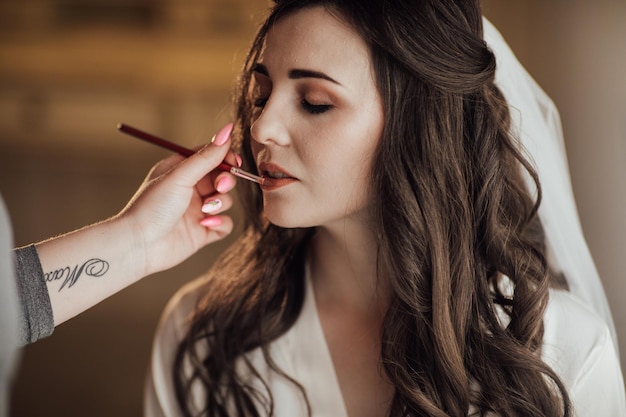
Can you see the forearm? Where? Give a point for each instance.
(86, 266)
(160, 227)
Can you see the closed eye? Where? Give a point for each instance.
(315, 108)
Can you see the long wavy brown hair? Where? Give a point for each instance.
(456, 241)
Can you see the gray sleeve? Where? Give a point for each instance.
(36, 319)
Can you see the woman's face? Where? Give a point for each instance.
(319, 118)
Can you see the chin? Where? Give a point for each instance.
(285, 224)
(288, 220)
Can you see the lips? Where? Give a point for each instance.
(275, 176)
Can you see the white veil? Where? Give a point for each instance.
(535, 120)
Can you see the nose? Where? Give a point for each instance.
(270, 126)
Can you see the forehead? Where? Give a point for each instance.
(317, 39)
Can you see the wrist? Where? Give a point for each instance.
(88, 265)
(133, 241)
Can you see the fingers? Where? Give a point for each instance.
(213, 206)
(219, 181)
(199, 172)
(233, 159)
(207, 159)
(217, 203)
(164, 166)
(218, 227)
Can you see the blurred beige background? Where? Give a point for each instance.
(70, 70)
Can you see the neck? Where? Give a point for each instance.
(343, 269)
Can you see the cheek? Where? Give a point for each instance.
(344, 159)
(364, 134)
(365, 143)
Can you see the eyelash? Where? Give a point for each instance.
(315, 108)
(308, 107)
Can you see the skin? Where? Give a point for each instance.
(319, 120)
(327, 149)
(162, 225)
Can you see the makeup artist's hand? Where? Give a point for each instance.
(177, 210)
(179, 207)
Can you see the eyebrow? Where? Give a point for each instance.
(295, 74)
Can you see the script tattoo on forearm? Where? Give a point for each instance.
(94, 268)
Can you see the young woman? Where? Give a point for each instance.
(389, 265)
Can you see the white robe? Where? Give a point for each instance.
(577, 345)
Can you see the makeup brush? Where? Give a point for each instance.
(139, 134)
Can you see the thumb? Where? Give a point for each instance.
(205, 160)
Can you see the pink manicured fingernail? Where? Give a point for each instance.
(211, 222)
(212, 206)
(224, 184)
(221, 137)
(239, 160)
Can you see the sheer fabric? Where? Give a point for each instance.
(536, 122)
